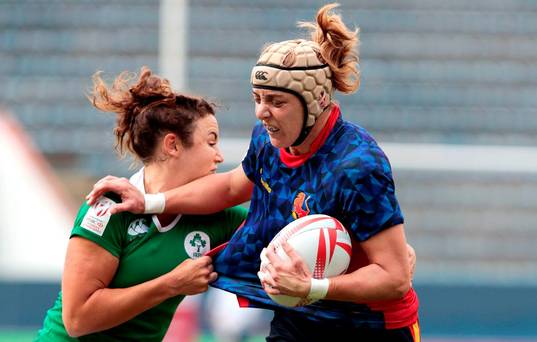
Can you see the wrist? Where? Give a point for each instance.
(170, 286)
(154, 203)
(318, 288)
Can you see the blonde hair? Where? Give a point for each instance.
(339, 48)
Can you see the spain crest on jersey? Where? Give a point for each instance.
(300, 205)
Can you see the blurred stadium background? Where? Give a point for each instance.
(449, 89)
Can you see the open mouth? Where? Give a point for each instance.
(271, 129)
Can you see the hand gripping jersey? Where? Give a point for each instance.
(146, 250)
(348, 177)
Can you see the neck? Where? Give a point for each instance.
(160, 177)
(317, 128)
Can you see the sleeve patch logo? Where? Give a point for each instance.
(97, 216)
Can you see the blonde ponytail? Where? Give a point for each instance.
(339, 48)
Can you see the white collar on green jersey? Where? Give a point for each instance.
(137, 180)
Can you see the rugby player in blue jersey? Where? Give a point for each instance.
(304, 158)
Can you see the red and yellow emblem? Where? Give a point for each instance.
(300, 205)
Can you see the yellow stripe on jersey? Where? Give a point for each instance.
(416, 331)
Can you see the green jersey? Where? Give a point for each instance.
(146, 250)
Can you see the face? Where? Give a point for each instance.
(203, 157)
(282, 115)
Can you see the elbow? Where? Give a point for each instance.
(401, 286)
(72, 324)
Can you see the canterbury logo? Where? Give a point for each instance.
(260, 75)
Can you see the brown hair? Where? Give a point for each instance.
(339, 48)
(147, 110)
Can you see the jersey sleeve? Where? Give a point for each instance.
(369, 204)
(95, 223)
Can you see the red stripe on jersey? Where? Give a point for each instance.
(243, 302)
(398, 313)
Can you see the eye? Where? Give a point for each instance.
(278, 103)
(256, 99)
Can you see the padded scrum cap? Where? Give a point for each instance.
(297, 67)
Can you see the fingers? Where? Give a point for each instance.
(291, 253)
(268, 283)
(128, 204)
(213, 276)
(296, 260)
(269, 276)
(205, 260)
(271, 255)
(104, 185)
(97, 192)
(207, 268)
(120, 207)
(261, 276)
(263, 256)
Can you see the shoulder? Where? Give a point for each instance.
(356, 153)
(97, 216)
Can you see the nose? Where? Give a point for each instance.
(261, 111)
(219, 157)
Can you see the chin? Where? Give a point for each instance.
(278, 143)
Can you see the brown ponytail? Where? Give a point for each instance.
(146, 111)
(339, 48)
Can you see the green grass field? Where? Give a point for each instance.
(17, 335)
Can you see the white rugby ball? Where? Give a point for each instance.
(324, 245)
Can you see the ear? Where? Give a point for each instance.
(171, 144)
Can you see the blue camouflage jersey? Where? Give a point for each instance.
(349, 178)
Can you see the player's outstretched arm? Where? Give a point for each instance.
(89, 306)
(205, 195)
(211, 193)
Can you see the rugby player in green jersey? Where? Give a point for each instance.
(125, 274)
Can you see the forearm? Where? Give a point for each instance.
(386, 277)
(106, 308)
(209, 194)
(368, 284)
